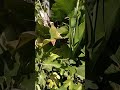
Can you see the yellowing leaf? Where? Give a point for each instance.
(46, 41)
(54, 33)
(52, 84)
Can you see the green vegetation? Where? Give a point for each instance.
(60, 50)
(17, 51)
(76, 48)
(103, 45)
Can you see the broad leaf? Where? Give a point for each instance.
(61, 8)
(80, 70)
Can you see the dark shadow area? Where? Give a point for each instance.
(17, 44)
(102, 44)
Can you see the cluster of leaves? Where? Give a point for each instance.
(103, 45)
(60, 50)
(16, 40)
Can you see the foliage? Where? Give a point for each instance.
(103, 44)
(59, 62)
(16, 40)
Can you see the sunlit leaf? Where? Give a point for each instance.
(69, 83)
(54, 33)
(81, 70)
(63, 30)
(41, 79)
(80, 32)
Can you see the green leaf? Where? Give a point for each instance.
(72, 70)
(54, 33)
(115, 86)
(42, 31)
(115, 59)
(112, 69)
(47, 65)
(81, 70)
(78, 87)
(63, 51)
(62, 71)
(51, 62)
(37, 87)
(72, 61)
(69, 83)
(45, 41)
(61, 8)
(1, 81)
(41, 79)
(63, 30)
(51, 57)
(13, 72)
(28, 84)
(62, 88)
(79, 33)
(73, 22)
(90, 84)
